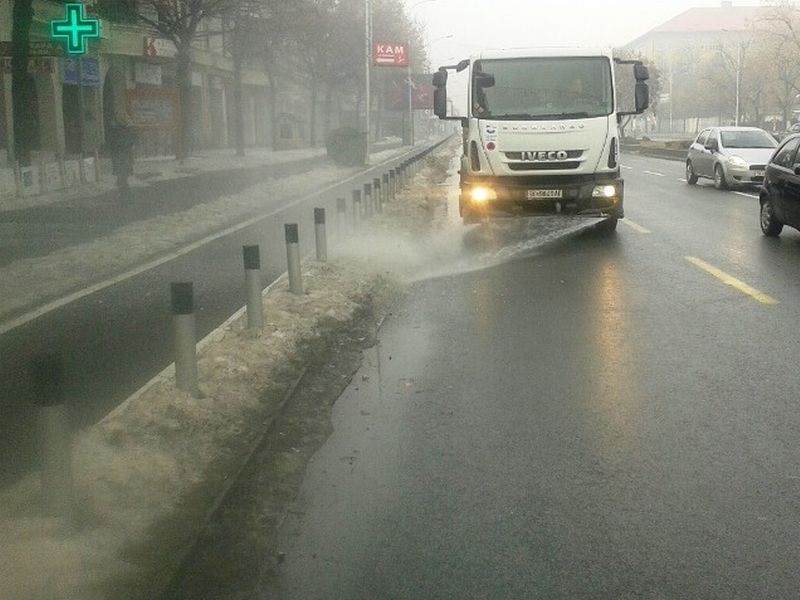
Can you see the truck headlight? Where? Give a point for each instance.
(482, 194)
(604, 191)
(738, 162)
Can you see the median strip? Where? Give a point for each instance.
(732, 281)
(635, 226)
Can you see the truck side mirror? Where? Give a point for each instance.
(440, 102)
(440, 93)
(642, 96)
(641, 72)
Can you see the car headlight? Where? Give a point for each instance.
(738, 162)
(604, 191)
(482, 194)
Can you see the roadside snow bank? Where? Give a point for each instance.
(148, 472)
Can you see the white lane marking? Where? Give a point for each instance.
(635, 226)
(56, 304)
(655, 173)
(746, 195)
(627, 168)
(681, 179)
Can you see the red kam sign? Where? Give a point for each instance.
(390, 55)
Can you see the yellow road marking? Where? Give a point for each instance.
(731, 281)
(635, 226)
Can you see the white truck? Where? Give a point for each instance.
(542, 131)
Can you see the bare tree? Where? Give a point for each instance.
(25, 127)
(242, 30)
(178, 21)
(279, 28)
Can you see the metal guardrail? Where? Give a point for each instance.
(676, 154)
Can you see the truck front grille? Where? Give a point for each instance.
(544, 166)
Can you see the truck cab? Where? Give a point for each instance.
(541, 135)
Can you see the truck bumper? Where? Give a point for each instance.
(600, 196)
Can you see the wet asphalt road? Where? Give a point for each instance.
(598, 419)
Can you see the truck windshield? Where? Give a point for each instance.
(542, 88)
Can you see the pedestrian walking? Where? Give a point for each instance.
(121, 140)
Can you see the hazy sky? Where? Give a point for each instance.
(515, 23)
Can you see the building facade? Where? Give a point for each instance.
(679, 48)
(130, 73)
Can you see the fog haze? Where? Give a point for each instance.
(479, 24)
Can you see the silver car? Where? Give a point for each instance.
(731, 156)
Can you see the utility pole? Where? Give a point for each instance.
(410, 102)
(738, 80)
(367, 60)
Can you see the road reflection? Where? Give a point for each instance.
(614, 399)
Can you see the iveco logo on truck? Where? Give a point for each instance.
(544, 156)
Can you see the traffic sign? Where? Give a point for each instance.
(76, 29)
(390, 55)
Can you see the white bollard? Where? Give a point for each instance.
(341, 213)
(320, 236)
(293, 258)
(58, 492)
(253, 292)
(356, 208)
(185, 337)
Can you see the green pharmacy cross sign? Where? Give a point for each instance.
(75, 29)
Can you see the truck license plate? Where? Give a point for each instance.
(537, 194)
(758, 173)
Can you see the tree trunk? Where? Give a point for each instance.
(273, 103)
(312, 138)
(328, 107)
(25, 128)
(184, 74)
(238, 101)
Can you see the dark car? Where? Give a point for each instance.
(780, 196)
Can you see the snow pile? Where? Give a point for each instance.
(147, 473)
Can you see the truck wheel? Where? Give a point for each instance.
(719, 178)
(608, 226)
(691, 176)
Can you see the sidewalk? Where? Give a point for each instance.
(162, 168)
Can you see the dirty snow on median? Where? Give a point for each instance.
(147, 473)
